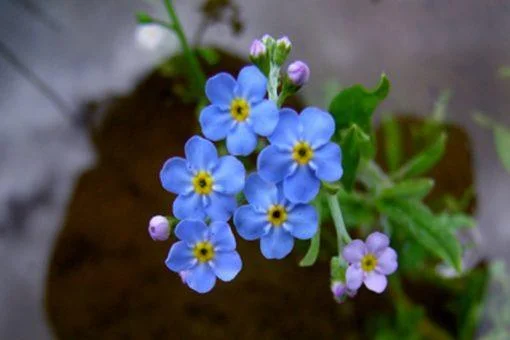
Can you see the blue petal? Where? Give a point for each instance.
(201, 278)
(191, 231)
(318, 125)
(273, 164)
(302, 186)
(249, 223)
(288, 130)
(215, 123)
(241, 141)
(221, 236)
(229, 175)
(252, 84)
(180, 257)
(221, 207)
(176, 175)
(200, 153)
(327, 161)
(264, 117)
(226, 265)
(302, 221)
(189, 206)
(259, 193)
(277, 244)
(220, 90)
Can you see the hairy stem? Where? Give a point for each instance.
(338, 220)
(197, 75)
(272, 83)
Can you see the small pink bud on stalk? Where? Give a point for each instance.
(159, 228)
(298, 73)
(257, 49)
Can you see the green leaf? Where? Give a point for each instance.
(313, 251)
(409, 189)
(211, 56)
(455, 221)
(351, 142)
(357, 210)
(144, 18)
(392, 142)
(423, 225)
(355, 105)
(424, 161)
(502, 141)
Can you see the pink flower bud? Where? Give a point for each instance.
(257, 49)
(341, 292)
(159, 228)
(298, 73)
(284, 42)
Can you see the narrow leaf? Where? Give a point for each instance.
(502, 141)
(313, 251)
(455, 221)
(392, 143)
(423, 161)
(409, 189)
(144, 18)
(425, 228)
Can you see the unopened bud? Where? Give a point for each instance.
(267, 39)
(341, 292)
(257, 49)
(159, 228)
(298, 73)
(282, 50)
(284, 42)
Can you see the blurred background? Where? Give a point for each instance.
(59, 56)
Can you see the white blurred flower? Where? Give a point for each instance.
(149, 36)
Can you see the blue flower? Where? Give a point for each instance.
(273, 219)
(301, 154)
(238, 111)
(203, 254)
(205, 184)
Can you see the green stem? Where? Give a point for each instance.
(272, 83)
(338, 220)
(197, 74)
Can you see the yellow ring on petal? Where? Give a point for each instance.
(277, 215)
(302, 153)
(368, 262)
(239, 109)
(203, 251)
(202, 183)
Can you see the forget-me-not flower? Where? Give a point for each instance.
(204, 253)
(273, 219)
(369, 262)
(238, 110)
(301, 154)
(206, 184)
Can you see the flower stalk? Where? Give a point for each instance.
(343, 236)
(197, 75)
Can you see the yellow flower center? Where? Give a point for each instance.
(202, 183)
(368, 263)
(203, 251)
(239, 109)
(302, 153)
(276, 215)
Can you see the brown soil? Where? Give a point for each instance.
(107, 278)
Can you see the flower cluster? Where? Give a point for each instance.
(296, 156)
